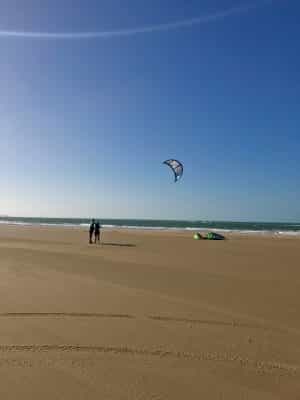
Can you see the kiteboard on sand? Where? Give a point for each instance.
(208, 236)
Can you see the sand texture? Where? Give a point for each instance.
(148, 315)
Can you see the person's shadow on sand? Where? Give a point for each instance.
(118, 244)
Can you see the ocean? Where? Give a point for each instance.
(275, 228)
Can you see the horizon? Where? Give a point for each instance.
(96, 96)
(153, 219)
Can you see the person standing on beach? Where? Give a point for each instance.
(97, 232)
(91, 231)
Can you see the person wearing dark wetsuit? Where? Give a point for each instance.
(91, 231)
(97, 232)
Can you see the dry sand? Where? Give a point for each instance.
(148, 315)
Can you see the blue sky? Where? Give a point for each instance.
(86, 123)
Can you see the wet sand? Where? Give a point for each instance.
(148, 315)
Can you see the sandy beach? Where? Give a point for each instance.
(148, 315)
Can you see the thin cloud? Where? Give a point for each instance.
(205, 19)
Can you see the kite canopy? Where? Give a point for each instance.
(176, 167)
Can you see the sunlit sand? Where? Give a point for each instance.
(148, 315)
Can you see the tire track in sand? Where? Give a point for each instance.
(232, 324)
(263, 367)
(158, 318)
(65, 315)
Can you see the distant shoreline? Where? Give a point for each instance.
(276, 233)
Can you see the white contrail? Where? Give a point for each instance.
(134, 31)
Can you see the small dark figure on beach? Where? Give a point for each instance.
(97, 232)
(91, 231)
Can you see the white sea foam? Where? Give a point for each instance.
(288, 233)
(14, 223)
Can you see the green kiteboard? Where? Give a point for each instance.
(208, 236)
(214, 236)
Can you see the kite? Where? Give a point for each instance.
(176, 167)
